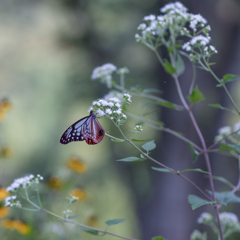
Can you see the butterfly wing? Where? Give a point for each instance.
(93, 132)
(75, 131)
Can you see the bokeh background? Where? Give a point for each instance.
(48, 50)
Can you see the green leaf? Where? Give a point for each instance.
(195, 170)
(158, 238)
(211, 64)
(161, 169)
(227, 197)
(197, 202)
(91, 231)
(118, 140)
(194, 153)
(159, 123)
(147, 103)
(149, 146)
(130, 159)
(196, 96)
(73, 217)
(165, 104)
(169, 68)
(220, 107)
(180, 66)
(229, 78)
(139, 140)
(229, 147)
(115, 221)
(223, 180)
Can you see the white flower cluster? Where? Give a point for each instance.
(175, 15)
(225, 131)
(113, 94)
(127, 98)
(196, 235)
(138, 128)
(104, 73)
(24, 182)
(229, 220)
(205, 218)
(111, 108)
(66, 212)
(123, 71)
(176, 19)
(11, 201)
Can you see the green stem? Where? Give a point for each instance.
(78, 224)
(162, 165)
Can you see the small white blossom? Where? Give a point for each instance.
(12, 201)
(114, 99)
(213, 49)
(127, 97)
(196, 235)
(205, 217)
(224, 131)
(119, 111)
(142, 26)
(108, 111)
(200, 38)
(186, 46)
(230, 221)
(149, 18)
(123, 71)
(100, 113)
(124, 116)
(138, 128)
(118, 105)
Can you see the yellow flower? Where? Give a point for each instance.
(92, 220)
(6, 151)
(76, 165)
(55, 182)
(5, 105)
(16, 225)
(22, 227)
(1, 115)
(3, 211)
(3, 193)
(79, 193)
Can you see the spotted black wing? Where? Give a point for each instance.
(74, 132)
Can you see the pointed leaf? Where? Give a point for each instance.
(118, 140)
(220, 107)
(169, 68)
(130, 159)
(195, 170)
(196, 95)
(227, 197)
(229, 78)
(180, 66)
(223, 180)
(115, 221)
(194, 153)
(161, 169)
(139, 140)
(197, 202)
(149, 146)
(229, 147)
(166, 104)
(158, 238)
(91, 231)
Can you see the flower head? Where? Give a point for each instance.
(76, 165)
(138, 128)
(24, 182)
(205, 218)
(18, 225)
(111, 107)
(104, 73)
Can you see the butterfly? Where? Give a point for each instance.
(87, 128)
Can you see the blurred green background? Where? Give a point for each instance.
(48, 50)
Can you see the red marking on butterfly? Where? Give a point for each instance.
(87, 128)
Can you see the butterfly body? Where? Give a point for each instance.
(87, 128)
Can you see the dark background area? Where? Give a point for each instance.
(48, 50)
